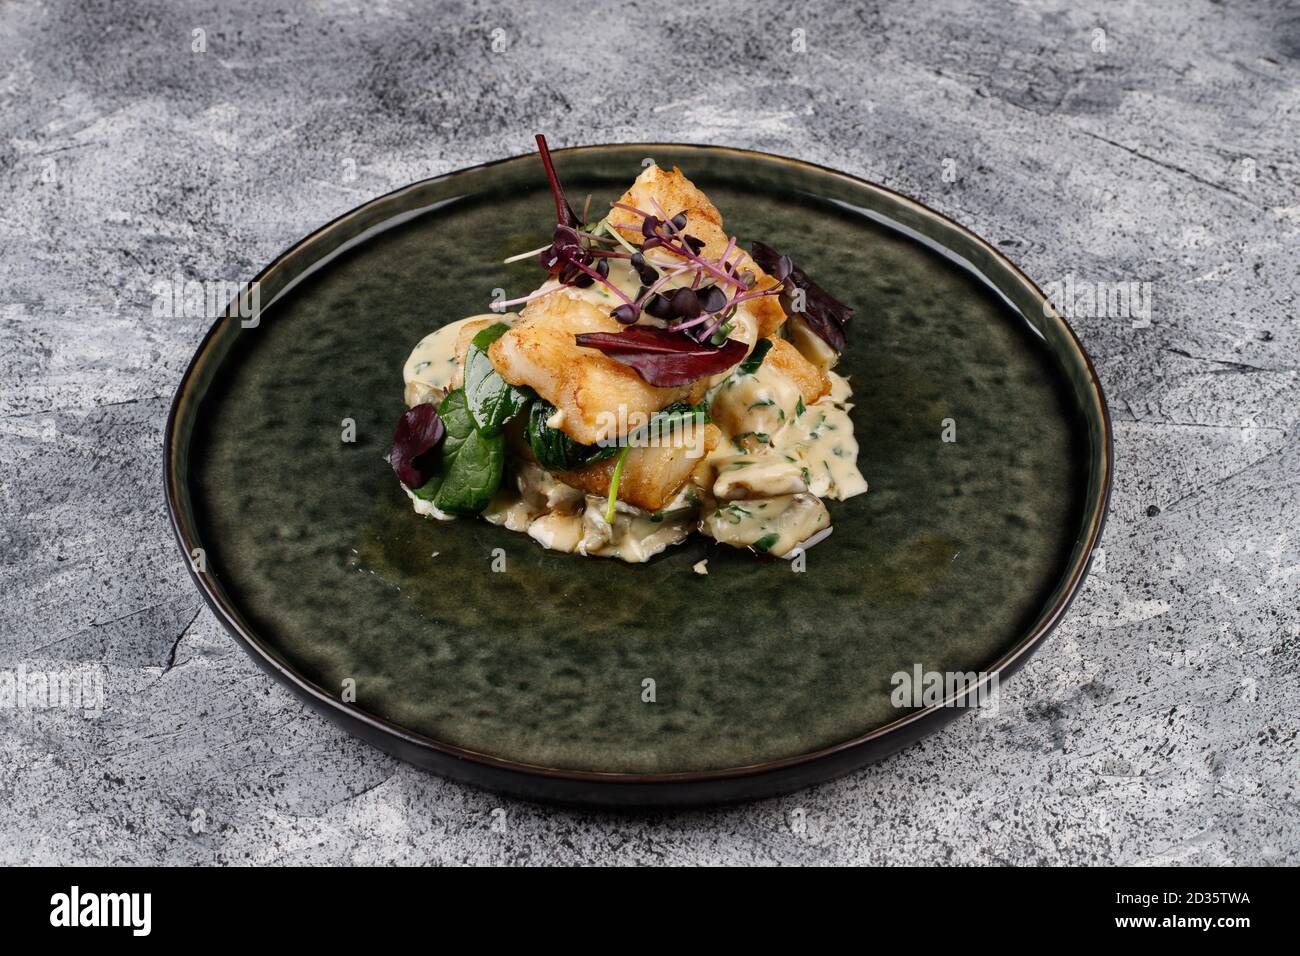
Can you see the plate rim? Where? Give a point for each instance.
(612, 788)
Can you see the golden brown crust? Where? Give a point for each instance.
(811, 381)
(672, 191)
(651, 476)
(597, 395)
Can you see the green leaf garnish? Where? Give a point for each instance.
(492, 401)
(613, 484)
(470, 464)
(755, 358)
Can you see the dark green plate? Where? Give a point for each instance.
(530, 680)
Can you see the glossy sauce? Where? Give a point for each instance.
(776, 445)
(433, 367)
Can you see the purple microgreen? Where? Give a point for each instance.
(686, 303)
(664, 358)
(663, 280)
(564, 213)
(825, 315)
(627, 314)
(678, 222)
(419, 433)
(726, 253)
(756, 294)
(713, 298)
(688, 249)
(632, 209)
(596, 276)
(648, 274)
(566, 246)
(684, 326)
(660, 307)
(686, 252)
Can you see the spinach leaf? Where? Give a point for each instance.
(471, 464)
(474, 475)
(429, 490)
(556, 451)
(668, 419)
(755, 359)
(553, 449)
(492, 401)
(454, 412)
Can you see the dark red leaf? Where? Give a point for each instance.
(826, 315)
(419, 433)
(665, 359)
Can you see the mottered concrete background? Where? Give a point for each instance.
(1151, 143)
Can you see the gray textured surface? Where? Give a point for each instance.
(1158, 725)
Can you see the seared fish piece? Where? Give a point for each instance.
(596, 397)
(811, 381)
(652, 476)
(672, 191)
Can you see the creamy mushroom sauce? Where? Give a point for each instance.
(433, 367)
(762, 487)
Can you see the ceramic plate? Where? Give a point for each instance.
(532, 680)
